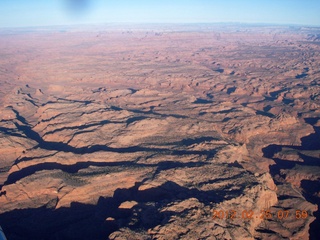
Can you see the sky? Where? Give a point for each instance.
(25, 13)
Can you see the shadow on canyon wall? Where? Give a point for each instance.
(310, 188)
(82, 221)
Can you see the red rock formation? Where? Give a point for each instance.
(140, 135)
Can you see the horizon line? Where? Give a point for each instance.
(161, 23)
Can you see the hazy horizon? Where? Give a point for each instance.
(34, 13)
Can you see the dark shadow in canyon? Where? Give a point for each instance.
(150, 112)
(63, 147)
(202, 101)
(74, 168)
(83, 221)
(302, 75)
(18, 116)
(11, 132)
(265, 114)
(310, 143)
(231, 90)
(190, 141)
(312, 120)
(135, 119)
(275, 94)
(310, 191)
(64, 100)
(81, 127)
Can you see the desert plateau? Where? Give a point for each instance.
(158, 131)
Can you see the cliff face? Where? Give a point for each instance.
(160, 136)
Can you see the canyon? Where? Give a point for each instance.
(200, 131)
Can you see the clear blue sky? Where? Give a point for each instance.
(20, 13)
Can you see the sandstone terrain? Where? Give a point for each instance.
(160, 132)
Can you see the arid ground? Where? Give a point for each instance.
(160, 132)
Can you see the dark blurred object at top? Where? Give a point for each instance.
(78, 7)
